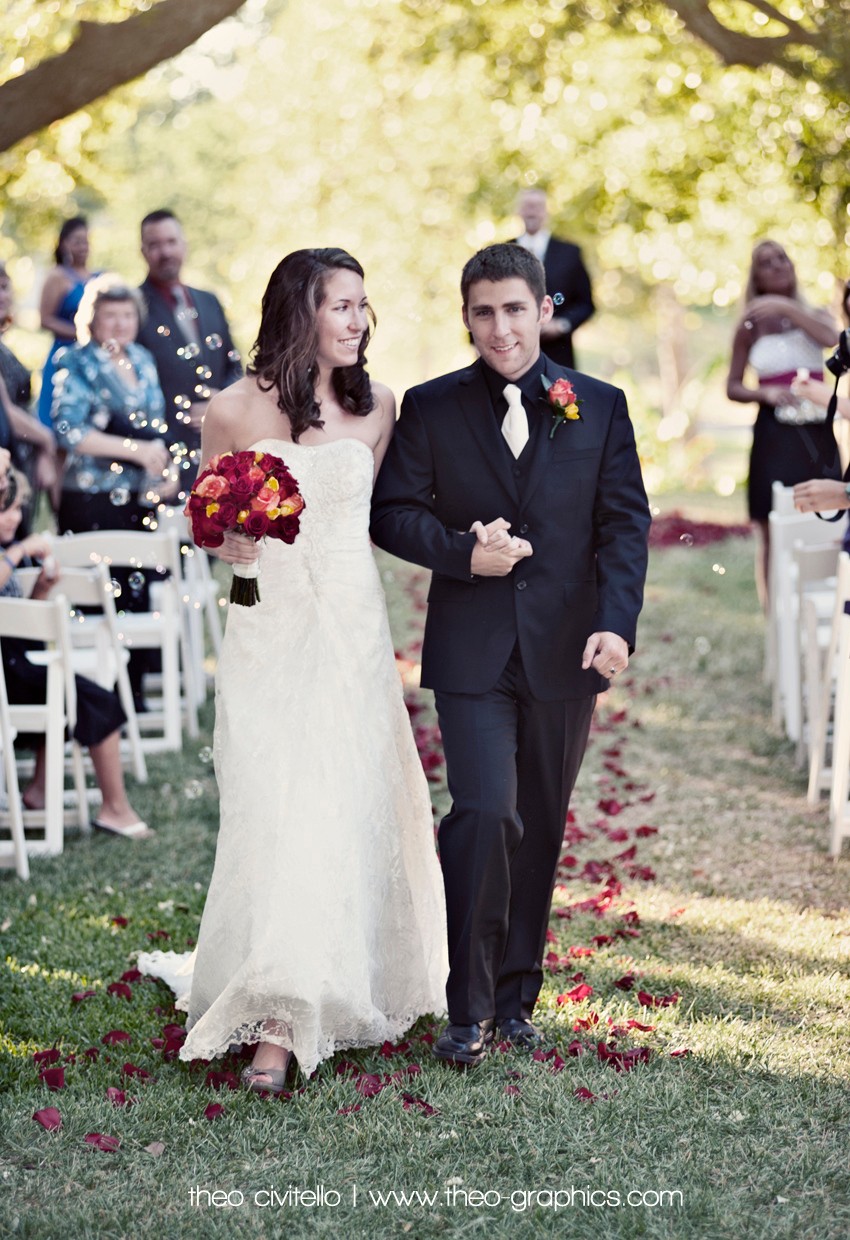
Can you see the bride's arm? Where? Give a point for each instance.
(223, 431)
(223, 420)
(385, 408)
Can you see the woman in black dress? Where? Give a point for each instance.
(779, 335)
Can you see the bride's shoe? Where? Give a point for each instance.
(274, 1082)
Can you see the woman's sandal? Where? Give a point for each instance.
(275, 1083)
(136, 830)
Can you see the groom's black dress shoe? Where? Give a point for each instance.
(465, 1045)
(519, 1032)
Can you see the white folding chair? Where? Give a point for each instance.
(816, 577)
(13, 852)
(199, 596)
(822, 725)
(47, 621)
(786, 529)
(839, 809)
(97, 649)
(163, 627)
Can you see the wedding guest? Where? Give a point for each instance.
(567, 281)
(778, 334)
(100, 716)
(60, 300)
(187, 333)
(31, 444)
(108, 414)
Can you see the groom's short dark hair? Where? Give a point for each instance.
(505, 261)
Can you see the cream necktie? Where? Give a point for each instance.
(515, 424)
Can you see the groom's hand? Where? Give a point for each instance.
(494, 536)
(488, 561)
(606, 653)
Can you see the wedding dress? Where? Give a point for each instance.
(324, 925)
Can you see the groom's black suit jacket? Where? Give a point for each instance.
(582, 507)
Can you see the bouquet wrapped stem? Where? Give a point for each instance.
(245, 586)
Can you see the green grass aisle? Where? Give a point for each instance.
(694, 1077)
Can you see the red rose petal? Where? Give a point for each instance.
(79, 995)
(585, 1094)
(120, 921)
(577, 994)
(369, 1084)
(130, 1069)
(349, 1110)
(119, 989)
(49, 1118)
(410, 1102)
(53, 1078)
(132, 975)
(221, 1080)
(680, 1052)
(115, 1036)
(655, 1001)
(46, 1058)
(101, 1141)
(213, 1110)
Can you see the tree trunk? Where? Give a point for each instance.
(102, 57)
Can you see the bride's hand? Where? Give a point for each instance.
(238, 549)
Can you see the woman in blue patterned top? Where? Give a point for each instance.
(108, 415)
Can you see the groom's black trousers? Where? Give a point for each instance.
(511, 762)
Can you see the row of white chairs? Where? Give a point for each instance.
(86, 631)
(808, 651)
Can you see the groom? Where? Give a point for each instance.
(535, 528)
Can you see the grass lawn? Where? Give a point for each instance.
(695, 898)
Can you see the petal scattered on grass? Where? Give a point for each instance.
(120, 989)
(101, 1141)
(411, 1103)
(585, 1094)
(576, 995)
(213, 1110)
(115, 1036)
(45, 1058)
(53, 1078)
(79, 995)
(656, 1001)
(49, 1118)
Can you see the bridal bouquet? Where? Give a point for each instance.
(251, 493)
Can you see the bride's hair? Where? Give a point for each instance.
(284, 355)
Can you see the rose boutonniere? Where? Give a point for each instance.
(562, 401)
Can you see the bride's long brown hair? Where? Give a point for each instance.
(284, 355)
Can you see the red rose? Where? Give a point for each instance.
(241, 488)
(256, 524)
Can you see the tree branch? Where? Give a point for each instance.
(735, 48)
(103, 56)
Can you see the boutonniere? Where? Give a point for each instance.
(562, 401)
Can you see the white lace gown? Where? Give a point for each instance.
(324, 925)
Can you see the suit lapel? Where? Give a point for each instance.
(474, 399)
(544, 446)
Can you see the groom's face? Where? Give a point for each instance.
(505, 321)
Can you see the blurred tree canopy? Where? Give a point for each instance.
(402, 130)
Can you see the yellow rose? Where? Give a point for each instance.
(242, 516)
(212, 508)
(571, 412)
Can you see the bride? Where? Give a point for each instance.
(324, 924)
